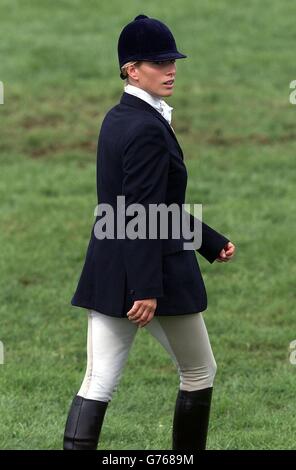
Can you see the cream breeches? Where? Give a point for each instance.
(109, 340)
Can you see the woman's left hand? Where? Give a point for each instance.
(226, 253)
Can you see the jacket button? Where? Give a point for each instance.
(132, 291)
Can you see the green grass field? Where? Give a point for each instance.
(237, 128)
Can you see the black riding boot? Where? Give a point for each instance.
(191, 419)
(84, 424)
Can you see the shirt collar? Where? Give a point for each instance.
(159, 104)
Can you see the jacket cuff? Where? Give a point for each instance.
(211, 257)
(148, 293)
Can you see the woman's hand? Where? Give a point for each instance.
(142, 311)
(226, 253)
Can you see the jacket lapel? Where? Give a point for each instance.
(138, 103)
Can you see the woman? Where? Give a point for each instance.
(155, 283)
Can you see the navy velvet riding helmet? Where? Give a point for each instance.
(146, 39)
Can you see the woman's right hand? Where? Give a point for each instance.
(142, 311)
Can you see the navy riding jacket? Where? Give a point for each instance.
(139, 157)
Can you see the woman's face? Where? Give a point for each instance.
(150, 76)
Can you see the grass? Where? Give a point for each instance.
(237, 129)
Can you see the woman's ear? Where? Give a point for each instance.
(132, 71)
